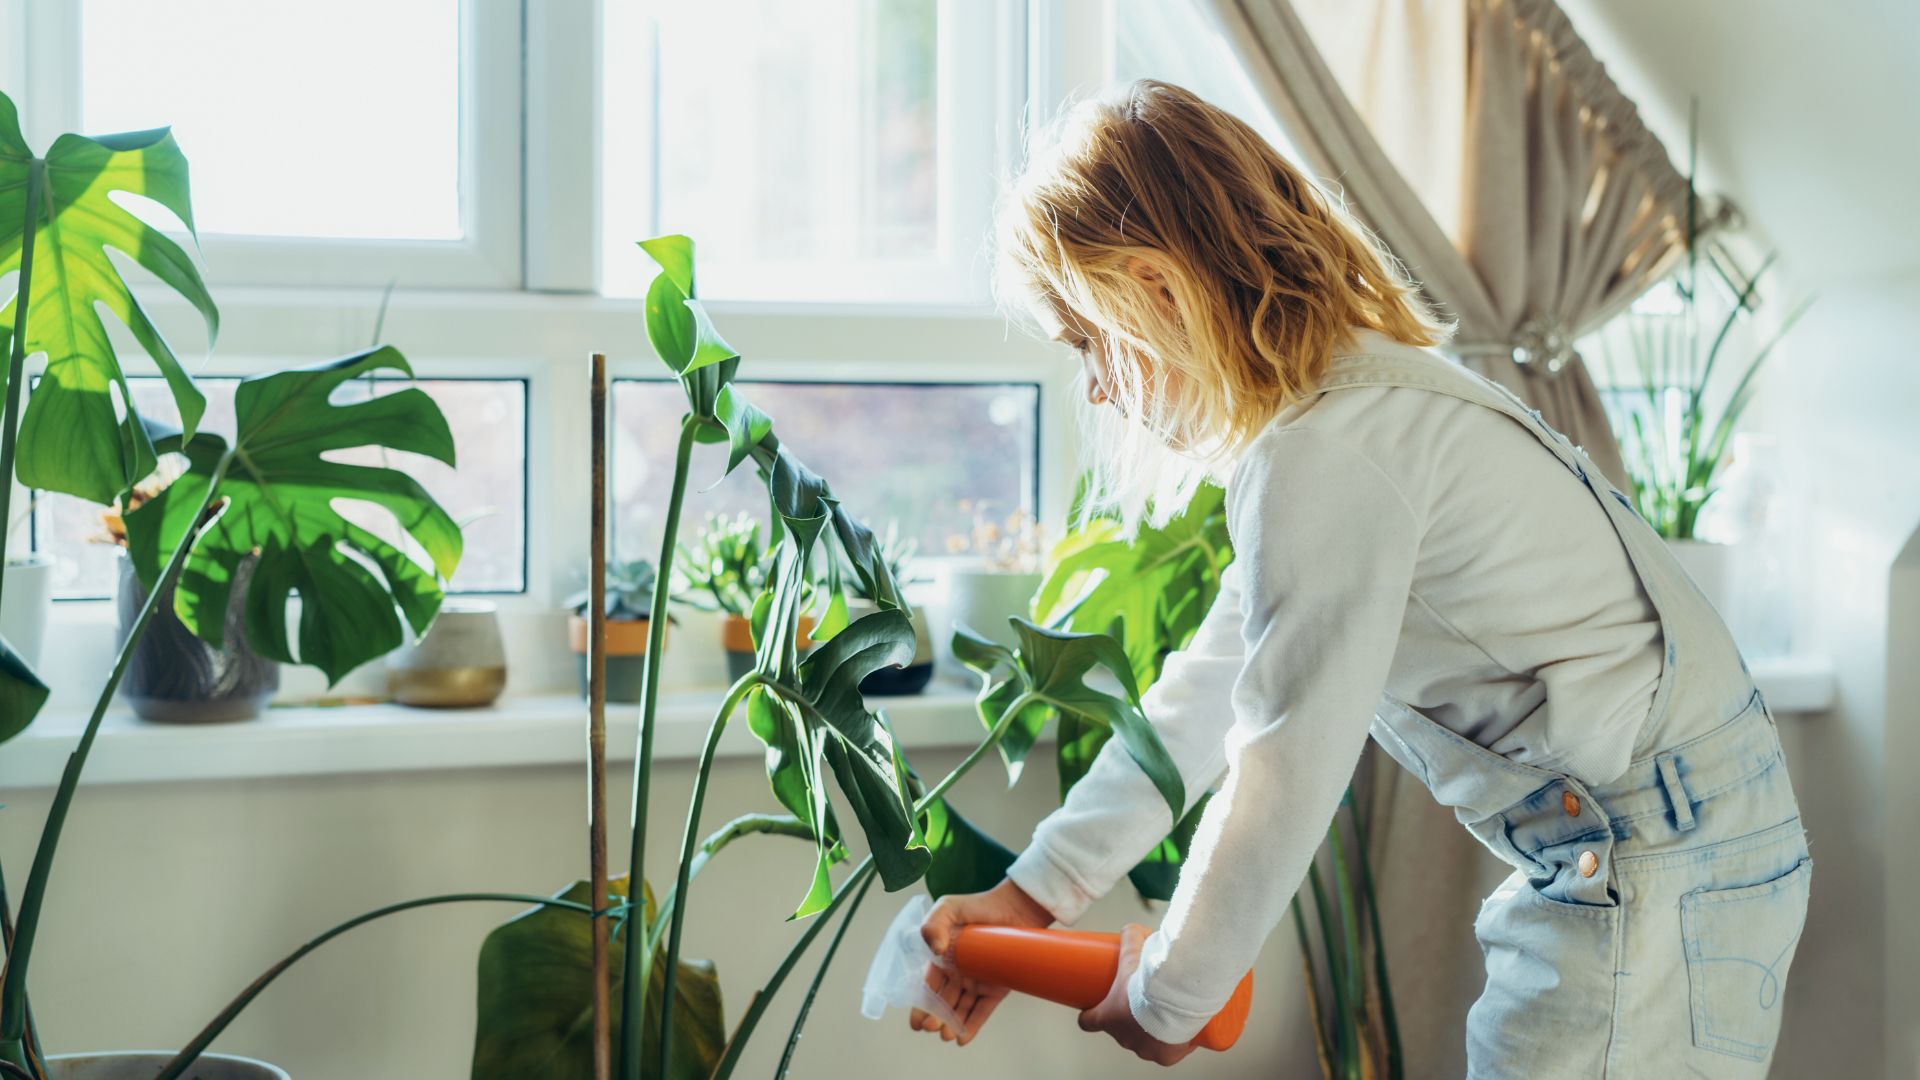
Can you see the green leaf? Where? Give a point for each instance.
(746, 425)
(22, 694)
(965, 859)
(1057, 662)
(983, 656)
(860, 748)
(795, 753)
(670, 325)
(72, 438)
(535, 1002)
(674, 254)
(709, 347)
(279, 490)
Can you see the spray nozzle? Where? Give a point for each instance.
(898, 975)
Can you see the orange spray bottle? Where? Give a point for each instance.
(1072, 967)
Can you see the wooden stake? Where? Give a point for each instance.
(597, 724)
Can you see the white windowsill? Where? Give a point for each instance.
(534, 729)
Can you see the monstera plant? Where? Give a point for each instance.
(818, 731)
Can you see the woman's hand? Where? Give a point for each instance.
(1006, 904)
(1115, 1015)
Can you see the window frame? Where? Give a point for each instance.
(488, 256)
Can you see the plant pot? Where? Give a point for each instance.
(23, 610)
(1711, 567)
(145, 1065)
(736, 637)
(983, 599)
(898, 682)
(174, 677)
(459, 663)
(626, 655)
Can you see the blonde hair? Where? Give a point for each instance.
(1267, 277)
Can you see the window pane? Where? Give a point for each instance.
(336, 119)
(934, 458)
(785, 135)
(487, 494)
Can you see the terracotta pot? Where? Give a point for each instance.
(736, 637)
(626, 655)
(145, 1065)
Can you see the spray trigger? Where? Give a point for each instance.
(897, 977)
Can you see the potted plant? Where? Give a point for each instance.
(173, 675)
(260, 505)
(459, 663)
(724, 571)
(629, 590)
(1674, 419)
(913, 678)
(995, 570)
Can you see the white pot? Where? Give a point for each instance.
(24, 603)
(1711, 567)
(461, 661)
(982, 600)
(145, 1065)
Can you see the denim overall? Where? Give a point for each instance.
(1648, 925)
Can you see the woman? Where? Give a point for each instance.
(1421, 559)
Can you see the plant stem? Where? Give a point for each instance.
(737, 694)
(819, 976)
(17, 349)
(744, 825)
(1314, 1007)
(638, 962)
(14, 989)
(192, 1051)
(992, 740)
(1351, 970)
(27, 1051)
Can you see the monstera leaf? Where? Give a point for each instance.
(535, 1006)
(822, 726)
(965, 859)
(1046, 678)
(72, 439)
(279, 490)
(21, 693)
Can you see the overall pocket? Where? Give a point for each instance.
(1739, 944)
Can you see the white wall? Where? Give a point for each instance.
(1807, 123)
(171, 897)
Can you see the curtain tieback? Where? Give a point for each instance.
(1540, 344)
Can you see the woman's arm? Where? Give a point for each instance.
(1114, 816)
(1328, 544)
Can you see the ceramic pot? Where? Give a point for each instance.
(1711, 567)
(173, 677)
(23, 610)
(145, 1065)
(897, 682)
(982, 600)
(626, 655)
(736, 637)
(459, 663)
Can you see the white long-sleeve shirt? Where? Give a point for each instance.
(1387, 539)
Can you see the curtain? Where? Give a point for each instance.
(1484, 144)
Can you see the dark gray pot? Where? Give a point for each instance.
(174, 677)
(626, 675)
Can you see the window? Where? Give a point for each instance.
(349, 143)
(848, 152)
(486, 494)
(376, 155)
(929, 457)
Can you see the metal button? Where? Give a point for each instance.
(1570, 803)
(1589, 864)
